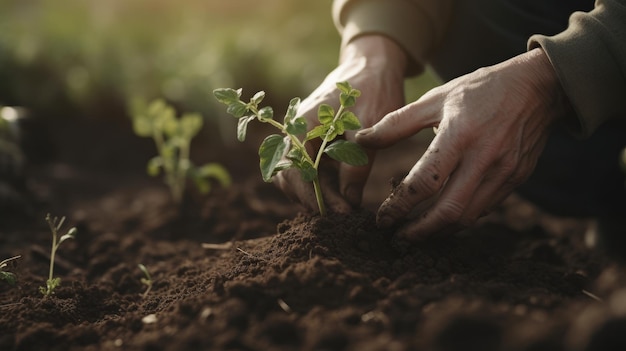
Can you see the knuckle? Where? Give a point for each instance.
(398, 204)
(508, 168)
(450, 212)
(516, 178)
(428, 183)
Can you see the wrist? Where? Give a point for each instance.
(379, 51)
(546, 82)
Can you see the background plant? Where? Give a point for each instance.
(6, 275)
(146, 279)
(55, 227)
(278, 152)
(77, 58)
(172, 137)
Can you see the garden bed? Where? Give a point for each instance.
(272, 278)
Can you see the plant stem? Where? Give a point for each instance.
(4, 262)
(316, 182)
(182, 169)
(54, 230)
(325, 140)
(319, 196)
(170, 176)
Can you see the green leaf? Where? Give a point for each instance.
(167, 122)
(156, 108)
(202, 176)
(215, 171)
(257, 98)
(203, 185)
(296, 126)
(154, 166)
(71, 234)
(347, 100)
(8, 277)
(344, 87)
(292, 110)
(266, 113)
(337, 130)
(350, 121)
(242, 127)
(227, 96)
(348, 152)
(142, 126)
(332, 132)
(190, 124)
(348, 95)
(237, 109)
(283, 164)
(53, 283)
(270, 153)
(325, 114)
(316, 132)
(307, 172)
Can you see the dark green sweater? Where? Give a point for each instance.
(589, 55)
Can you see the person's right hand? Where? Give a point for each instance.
(375, 65)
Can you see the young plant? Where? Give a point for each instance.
(278, 153)
(55, 227)
(8, 276)
(172, 137)
(146, 279)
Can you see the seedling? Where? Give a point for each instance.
(55, 227)
(278, 153)
(146, 279)
(172, 137)
(8, 276)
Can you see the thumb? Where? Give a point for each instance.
(398, 125)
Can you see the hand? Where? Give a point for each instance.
(492, 126)
(376, 66)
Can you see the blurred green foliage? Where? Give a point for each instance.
(82, 56)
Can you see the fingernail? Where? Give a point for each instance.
(364, 132)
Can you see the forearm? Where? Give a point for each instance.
(589, 59)
(416, 26)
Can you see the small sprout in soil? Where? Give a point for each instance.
(172, 137)
(146, 279)
(55, 227)
(278, 153)
(5, 275)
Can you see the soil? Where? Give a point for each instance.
(243, 268)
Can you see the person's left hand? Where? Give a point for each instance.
(492, 127)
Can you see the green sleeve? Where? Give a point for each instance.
(416, 25)
(589, 58)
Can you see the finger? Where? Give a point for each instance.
(494, 187)
(498, 186)
(329, 182)
(352, 179)
(423, 182)
(291, 183)
(447, 212)
(400, 124)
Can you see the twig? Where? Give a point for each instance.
(249, 254)
(222, 246)
(10, 304)
(592, 296)
(283, 305)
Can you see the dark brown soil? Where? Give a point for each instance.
(282, 280)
